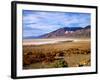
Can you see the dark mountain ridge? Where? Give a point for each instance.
(70, 32)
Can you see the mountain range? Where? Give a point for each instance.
(69, 32)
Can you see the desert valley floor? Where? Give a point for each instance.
(56, 53)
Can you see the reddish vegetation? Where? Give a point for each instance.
(69, 54)
(31, 57)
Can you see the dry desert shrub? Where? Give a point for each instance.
(47, 54)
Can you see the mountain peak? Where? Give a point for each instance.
(72, 28)
(88, 27)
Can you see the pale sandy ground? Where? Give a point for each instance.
(49, 41)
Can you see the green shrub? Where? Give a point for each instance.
(60, 63)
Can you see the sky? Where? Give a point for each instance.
(36, 23)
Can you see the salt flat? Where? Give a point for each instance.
(50, 41)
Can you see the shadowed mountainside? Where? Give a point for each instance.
(69, 32)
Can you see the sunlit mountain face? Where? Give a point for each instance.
(70, 32)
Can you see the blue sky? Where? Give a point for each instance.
(37, 23)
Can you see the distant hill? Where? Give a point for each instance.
(87, 27)
(69, 32)
(31, 37)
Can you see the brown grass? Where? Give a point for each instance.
(70, 54)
